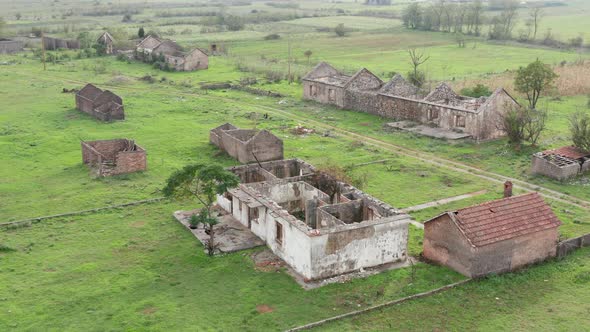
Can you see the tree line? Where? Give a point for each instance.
(470, 18)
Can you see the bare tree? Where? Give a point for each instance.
(417, 58)
(535, 16)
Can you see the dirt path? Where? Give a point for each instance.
(425, 157)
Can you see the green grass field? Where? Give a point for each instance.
(137, 269)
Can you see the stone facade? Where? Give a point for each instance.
(561, 164)
(112, 157)
(152, 48)
(317, 237)
(102, 105)
(8, 46)
(108, 41)
(494, 237)
(247, 146)
(400, 100)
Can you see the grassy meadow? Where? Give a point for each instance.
(137, 269)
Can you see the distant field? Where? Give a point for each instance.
(351, 22)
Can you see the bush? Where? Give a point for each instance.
(477, 91)
(417, 78)
(273, 36)
(576, 42)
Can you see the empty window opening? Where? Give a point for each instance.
(279, 235)
(459, 121)
(432, 114)
(331, 95)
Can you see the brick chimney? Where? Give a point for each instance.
(507, 189)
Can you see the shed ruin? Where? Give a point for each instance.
(102, 105)
(107, 41)
(318, 235)
(50, 43)
(493, 237)
(400, 100)
(9, 46)
(247, 145)
(112, 157)
(562, 163)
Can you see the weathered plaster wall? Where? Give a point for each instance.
(352, 247)
(196, 60)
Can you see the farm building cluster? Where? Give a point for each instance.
(398, 99)
(152, 49)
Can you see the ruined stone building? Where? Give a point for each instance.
(400, 100)
(151, 49)
(107, 41)
(247, 145)
(9, 46)
(112, 157)
(103, 105)
(51, 44)
(562, 163)
(319, 236)
(493, 237)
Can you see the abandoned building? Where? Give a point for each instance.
(107, 41)
(400, 100)
(319, 235)
(151, 49)
(112, 157)
(247, 145)
(493, 237)
(102, 105)
(562, 163)
(51, 44)
(9, 46)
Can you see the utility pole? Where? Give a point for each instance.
(289, 57)
(43, 49)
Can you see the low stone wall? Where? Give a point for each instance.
(568, 246)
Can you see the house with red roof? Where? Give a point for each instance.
(493, 237)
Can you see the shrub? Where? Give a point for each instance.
(477, 91)
(417, 78)
(273, 36)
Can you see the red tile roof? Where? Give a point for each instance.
(570, 152)
(505, 219)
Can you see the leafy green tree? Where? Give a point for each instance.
(141, 33)
(533, 80)
(203, 183)
(340, 30)
(412, 16)
(580, 130)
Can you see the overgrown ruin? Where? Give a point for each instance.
(247, 145)
(317, 234)
(562, 163)
(400, 100)
(153, 49)
(112, 157)
(102, 105)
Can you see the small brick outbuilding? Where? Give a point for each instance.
(493, 237)
(562, 163)
(103, 105)
(112, 157)
(247, 145)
